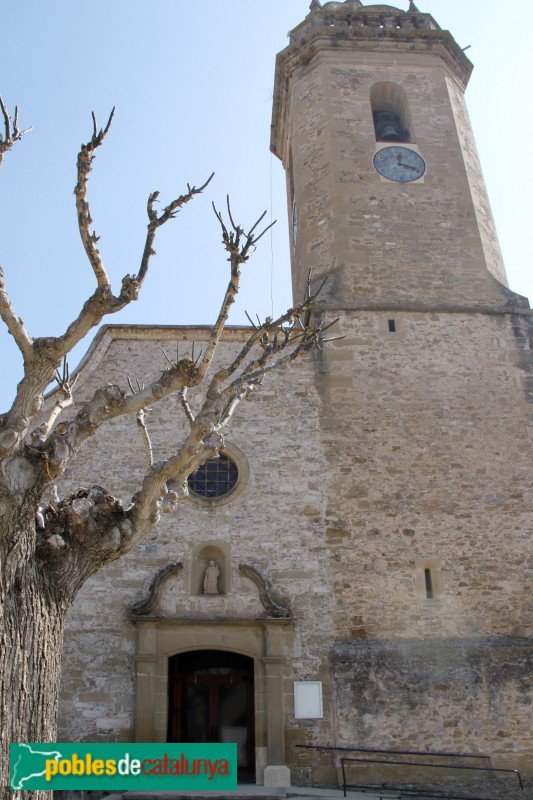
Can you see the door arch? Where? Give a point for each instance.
(211, 699)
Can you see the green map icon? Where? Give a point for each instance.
(28, 763)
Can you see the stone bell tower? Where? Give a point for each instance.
(425, 406)
(385, 189)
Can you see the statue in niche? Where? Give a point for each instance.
(211, 578)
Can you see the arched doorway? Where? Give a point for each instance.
(211, 699)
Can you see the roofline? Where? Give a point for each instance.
(109, 333)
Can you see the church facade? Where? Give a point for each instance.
(357, 569)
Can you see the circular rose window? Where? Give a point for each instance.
(215, 478)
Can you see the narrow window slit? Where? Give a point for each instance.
(429, 583)
(392, 326)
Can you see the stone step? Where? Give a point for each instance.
(255, 793)
(229, 796)
(197, 796)
(248, 793)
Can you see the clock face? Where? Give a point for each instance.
(399, 164)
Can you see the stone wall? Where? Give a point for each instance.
(427, 437)
(378, 457)
(274, 525)
(460, 688)
(428, 448)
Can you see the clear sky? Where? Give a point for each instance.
(192, 84)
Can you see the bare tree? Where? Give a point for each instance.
(41, 575)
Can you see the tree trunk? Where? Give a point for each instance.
(32, 614)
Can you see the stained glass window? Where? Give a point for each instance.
(214, 478)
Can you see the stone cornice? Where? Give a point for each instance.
(430, 308)
(238, 333)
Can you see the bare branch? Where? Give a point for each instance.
(277, 342)
(7, 121)
(84, 164)
(141, 422)
(259, 368)
(103, 302)
(235, 398)
(14, 323)
(254, 226)
(203, 442)
(172, 363)
(262, 330)
(63, 379)
(141, 415)
(45, 354)
(182, 395)
(260, 236)
(252, 323)
(12, 133)
(193, 359)
(107, 403)
(235, 228)
(99, 304)
(218, 407)
(155, 221)
(238, 245)
(65, 399)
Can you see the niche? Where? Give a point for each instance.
(211, 569)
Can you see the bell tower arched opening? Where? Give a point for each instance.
(390, 112)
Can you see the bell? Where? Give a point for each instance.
(390, 133)
(388, 127)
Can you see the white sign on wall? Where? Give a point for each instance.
(308, 700)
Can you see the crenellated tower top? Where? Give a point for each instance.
(375, 15)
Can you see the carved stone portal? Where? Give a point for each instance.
(263, 635)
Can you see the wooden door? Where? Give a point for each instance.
(211, 699)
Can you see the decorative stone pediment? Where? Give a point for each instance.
(273, 606)
(155, 590)
(252, 596)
